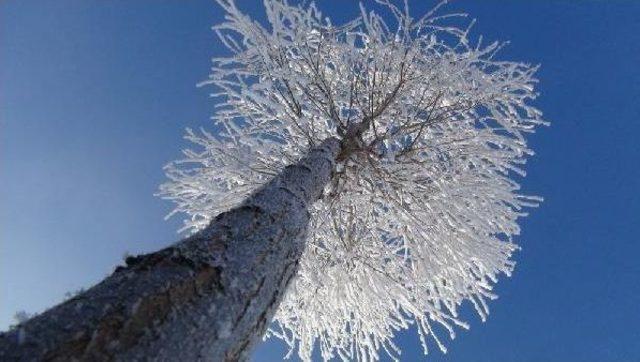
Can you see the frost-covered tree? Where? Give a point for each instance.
(421, 208)
(360, 181)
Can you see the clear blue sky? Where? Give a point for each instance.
(94, 97)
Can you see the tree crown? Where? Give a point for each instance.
(420, 214)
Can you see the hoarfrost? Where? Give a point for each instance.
(422, 209)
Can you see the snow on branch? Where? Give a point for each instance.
(422, 210)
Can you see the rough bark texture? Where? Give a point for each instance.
(208, 297)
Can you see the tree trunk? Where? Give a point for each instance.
(208, 297)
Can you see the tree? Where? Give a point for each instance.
(361, 176)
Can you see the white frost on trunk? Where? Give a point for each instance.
(209, 297)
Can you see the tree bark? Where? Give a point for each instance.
(208, 297)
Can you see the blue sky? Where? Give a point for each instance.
(95, 95)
